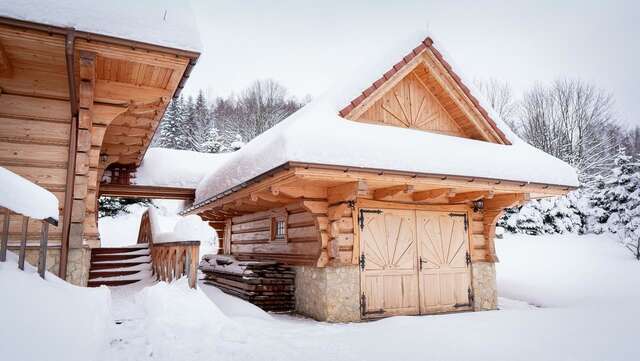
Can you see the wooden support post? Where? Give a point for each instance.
(42, 257)
(5, 236)
(23, 242)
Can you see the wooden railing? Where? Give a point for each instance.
(44, 239)
(170, 260)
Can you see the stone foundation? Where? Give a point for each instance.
(77, 266)
(328, 294)
(485, 290)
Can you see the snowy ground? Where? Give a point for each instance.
(562, 298)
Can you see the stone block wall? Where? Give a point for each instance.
(485, 290)
(77, 267)
(328, 294)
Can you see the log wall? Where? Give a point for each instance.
(251, 236)
(34, 143)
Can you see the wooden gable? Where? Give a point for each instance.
(422, 92)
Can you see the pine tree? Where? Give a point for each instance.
(199, 124)
(170, 126)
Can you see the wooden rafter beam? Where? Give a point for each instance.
(270, 197)
(153, 192)
(383, 193)
(503, 201)
(433, 194)
(299, 191)
(6, 69)
(471, 196)
(347, 192)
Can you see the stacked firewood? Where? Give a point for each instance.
(268, 285)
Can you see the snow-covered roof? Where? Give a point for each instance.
(159, 22)
(176, 168)
(318, 134)
(27, 198)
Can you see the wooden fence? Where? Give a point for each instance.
(44, 239)
(170, 260)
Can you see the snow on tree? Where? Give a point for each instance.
(544, 216)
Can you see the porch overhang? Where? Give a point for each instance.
(141, 191)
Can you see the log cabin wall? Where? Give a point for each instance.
(255, 236)
(122, 91)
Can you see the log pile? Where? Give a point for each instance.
(268, 285)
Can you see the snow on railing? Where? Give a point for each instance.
(19, 196)
(171, 258)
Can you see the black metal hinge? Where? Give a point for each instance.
(464, 216)
(351, 204)
(362, 262)
(469, 299)
(468, 258)
(361, 215)
(363, 304)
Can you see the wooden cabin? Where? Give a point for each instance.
(75, 101)
(384, 199)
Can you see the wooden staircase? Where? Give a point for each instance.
(119, 266)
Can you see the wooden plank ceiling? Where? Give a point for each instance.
(133, 84)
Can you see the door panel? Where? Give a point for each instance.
(444, 276)
(390, 279)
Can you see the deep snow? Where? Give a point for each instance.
(122, 229)
(318, 134)
(49, 319)
(160, 22)
(562, 298)
(25, 197)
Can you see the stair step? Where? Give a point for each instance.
(116, 250)
(110, 283)
(109, 273)
(113, 257)
(112, 265)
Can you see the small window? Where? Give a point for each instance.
(279, 228)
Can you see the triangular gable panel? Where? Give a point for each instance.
(422, 92)
(410, 104)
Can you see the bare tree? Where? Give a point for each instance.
(259, 107)
(573, 121)
(500, 96)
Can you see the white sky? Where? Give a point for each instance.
(305, 45)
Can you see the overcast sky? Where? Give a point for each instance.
(305, 45)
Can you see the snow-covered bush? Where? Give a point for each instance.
(112, 206)
(543, 216)
(609, 203)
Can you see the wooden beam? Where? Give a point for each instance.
(471, 196)
(347, 192)
(6, 70)
(270, 197)
(433, 194)
(383, 193)
(503, 201)
(153, 192)
(299, 191)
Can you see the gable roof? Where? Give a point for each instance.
(425, 44)
(318, 134)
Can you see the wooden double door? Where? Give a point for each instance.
(414, 262)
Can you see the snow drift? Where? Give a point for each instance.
(50, 319)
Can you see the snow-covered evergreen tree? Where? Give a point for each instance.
(199, 124)
(170, 127)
